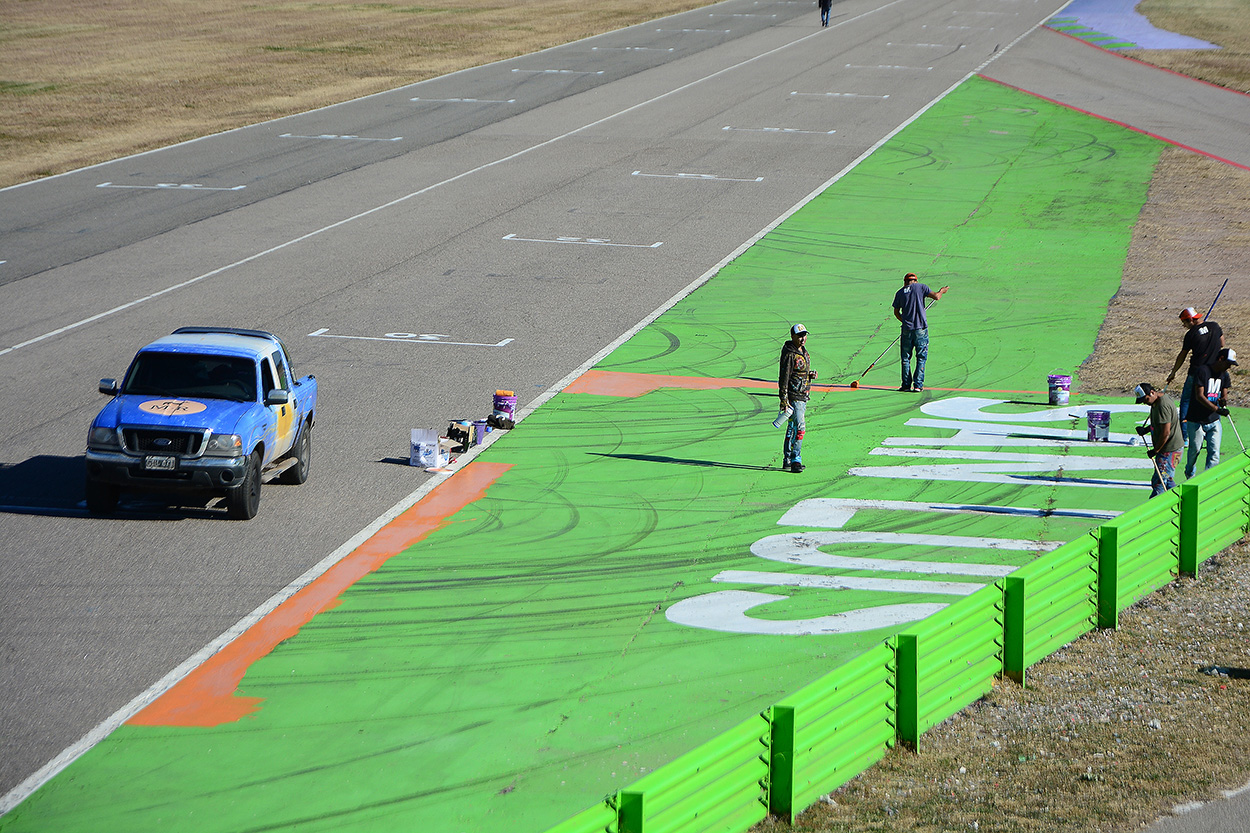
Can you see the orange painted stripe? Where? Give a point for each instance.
(609, 383)
(207, 696)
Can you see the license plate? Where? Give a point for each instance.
(160, 463)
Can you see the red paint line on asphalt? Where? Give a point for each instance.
(613, 383)
(1147, 63)
(1120, 123)
(208, 695)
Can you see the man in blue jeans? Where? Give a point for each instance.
(794, 385)
(909, 309)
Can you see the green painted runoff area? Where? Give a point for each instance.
(514, 667)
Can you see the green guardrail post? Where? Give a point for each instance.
(1108, 575)
(907, 688)
(629, 811)
(1188, 565)
(781, 763)
(1014, 662)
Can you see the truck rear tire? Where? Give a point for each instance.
(243, 501)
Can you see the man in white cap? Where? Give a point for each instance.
(1211, 383)
(1165, 436)
(1202, 341)
(794, 382)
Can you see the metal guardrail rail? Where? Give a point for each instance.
(820, 737)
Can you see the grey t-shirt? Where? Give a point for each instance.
(909, 301)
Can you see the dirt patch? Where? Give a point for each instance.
(1193, 233)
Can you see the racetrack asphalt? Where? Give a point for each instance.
(570, 321)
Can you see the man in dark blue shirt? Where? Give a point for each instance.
(1203, 339)
(909, 309)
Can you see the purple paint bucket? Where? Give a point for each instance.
(1059, 387)
(1099, 426)
(505, 404)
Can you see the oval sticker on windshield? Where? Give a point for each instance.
(172, 407)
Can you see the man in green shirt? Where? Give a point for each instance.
(1165, 436)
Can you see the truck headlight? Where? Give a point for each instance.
(103, 437)
(224, 445)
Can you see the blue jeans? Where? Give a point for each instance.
(1165, 465)
(792, 451)
(1210, 433)
(917, 340)
(1186, 392)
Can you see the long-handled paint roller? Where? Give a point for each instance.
(855, 384)
(1235, 434)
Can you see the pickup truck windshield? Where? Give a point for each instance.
(188, 376)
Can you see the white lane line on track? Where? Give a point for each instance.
(119, 717)
(398, 200)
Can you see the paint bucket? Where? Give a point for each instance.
(505, 404)
(1099, 425)
(782, 417)
(479, 431)
(1059, 387)
(424, 449)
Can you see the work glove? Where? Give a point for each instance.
(1222, 411)
(1150, 452)
(1143, 430)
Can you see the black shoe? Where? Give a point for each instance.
(905, 389)
(796, 467)
(917, 390)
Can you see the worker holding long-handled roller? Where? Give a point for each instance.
(1203, 339)
(1211, 383)
(909, 309)
(1165, 436)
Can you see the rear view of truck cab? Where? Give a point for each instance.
(208, 411)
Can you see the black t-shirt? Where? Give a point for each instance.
(1210, 388)
(1203, 343)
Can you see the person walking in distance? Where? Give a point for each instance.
(1202, 341)
(909, 309)
(1165, 436)
(794, 383)
(825, 6)
(1211, 383)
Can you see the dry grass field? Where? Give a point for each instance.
(83, 81)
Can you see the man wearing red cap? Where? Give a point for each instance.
(1202, 342)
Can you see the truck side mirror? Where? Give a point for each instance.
(108, 387)
(277, 396)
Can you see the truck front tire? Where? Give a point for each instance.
(243, 501)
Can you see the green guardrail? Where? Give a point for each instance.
(828, 732)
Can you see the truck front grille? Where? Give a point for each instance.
(149, 441)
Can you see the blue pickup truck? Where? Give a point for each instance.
(211, 410)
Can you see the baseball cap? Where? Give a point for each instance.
(1142, 391)
(798, 330)
(910, 276)
(1190, 314)
(1229, 355)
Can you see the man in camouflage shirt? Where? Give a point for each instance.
(794, 382)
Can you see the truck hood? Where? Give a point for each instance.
(220, 415)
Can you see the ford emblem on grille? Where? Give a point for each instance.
(162, 442)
